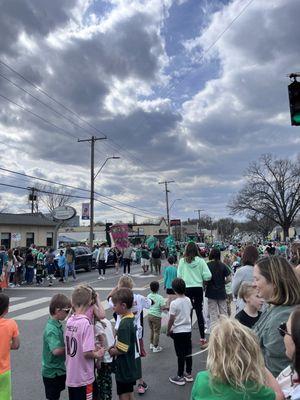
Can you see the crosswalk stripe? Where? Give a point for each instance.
(12, 299)
(45, 311)
(26, 304)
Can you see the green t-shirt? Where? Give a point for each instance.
(203, 390)
(126, 363)
(159, 301)
(53, 338)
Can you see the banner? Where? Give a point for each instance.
(119, 234)
(85, 213)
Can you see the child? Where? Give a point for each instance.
(170, 273)
(53, 362)
(80, 347)
(180, 330)
(235, 367)
(61, 263)
(253, 303)
(125, 349)
(154, 316)
(9, 335)
(139, 303)
(104, 337)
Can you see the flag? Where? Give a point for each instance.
(85, 213)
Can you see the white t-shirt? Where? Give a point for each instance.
(181, 308)
(139, 303)
(105, 329)
(286, 382)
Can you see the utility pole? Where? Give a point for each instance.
(199, 221)
(92, 140)
(167, 201)
(32, 198)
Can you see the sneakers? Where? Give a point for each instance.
(178, 380)
(188, 377)
(142, 387)
(157, 349)
(99, 278)
(151, 347)
(203, 343)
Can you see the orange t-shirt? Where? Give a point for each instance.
(8, 330)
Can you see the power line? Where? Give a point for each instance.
(207, 50)
(74, 196)
(72, 187)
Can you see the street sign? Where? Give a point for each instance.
(175, 222)
(63, 213)
(85, 213)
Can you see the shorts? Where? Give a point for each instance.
(170, 291)
(124, 387)
(81, 392)
(53, 386)
(145, 262)
(5, 385)
(156, 262)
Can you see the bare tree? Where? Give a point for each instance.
(52, 197)
(272, 190)
(225, 227)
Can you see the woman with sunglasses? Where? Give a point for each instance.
(289, 378)
(278, 285)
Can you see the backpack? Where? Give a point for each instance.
(156, 253)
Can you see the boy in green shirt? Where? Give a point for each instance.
(53, 361)
(125, 350)
(154, 316)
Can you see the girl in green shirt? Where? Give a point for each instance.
(235, 367)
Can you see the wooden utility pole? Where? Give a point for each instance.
(199, 220)
(92, 140)
(167, 201)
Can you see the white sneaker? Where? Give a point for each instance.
(99, 278)
(151, 347)
(157, 349)
(103, 278)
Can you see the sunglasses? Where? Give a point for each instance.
(67, 310)
(283, 330)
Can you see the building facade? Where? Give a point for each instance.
(23, 230)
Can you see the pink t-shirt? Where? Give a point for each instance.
(79, 338)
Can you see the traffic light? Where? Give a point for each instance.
(294, 97)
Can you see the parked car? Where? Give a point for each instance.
(203, 249)
(83, 257)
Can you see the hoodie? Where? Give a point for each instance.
(194, 273)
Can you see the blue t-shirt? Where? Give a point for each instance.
(170, 273)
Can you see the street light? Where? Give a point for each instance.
(174, 201)
(108, 158)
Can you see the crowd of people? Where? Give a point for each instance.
(248, 312)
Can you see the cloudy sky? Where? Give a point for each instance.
(185, 90)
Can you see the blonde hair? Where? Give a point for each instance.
(246, 290)
(234, 356)
(81, 296)
(279, 272)
(125, 282)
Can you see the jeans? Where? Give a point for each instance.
(183, 348)
(196, 296)
(126, 265)
(70, 267)
(101, 266)
(29, 274)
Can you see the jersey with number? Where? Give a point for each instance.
(79, 338)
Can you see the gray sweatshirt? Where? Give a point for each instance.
(271, 342)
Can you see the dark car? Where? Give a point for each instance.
(83, 258)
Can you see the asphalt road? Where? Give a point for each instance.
(29, 307)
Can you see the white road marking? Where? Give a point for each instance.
(12, 299)
(71, 288)
(45, 311)
(26, 304)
